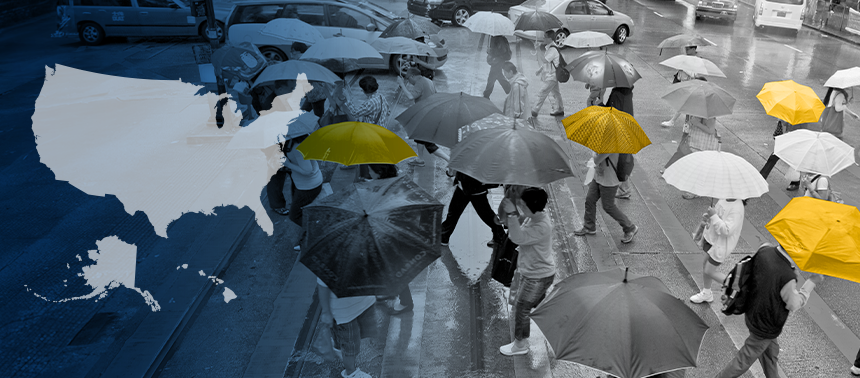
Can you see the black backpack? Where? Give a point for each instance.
(624, 168)
(561, 73)
(737, 287)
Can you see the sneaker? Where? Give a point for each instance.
(622, 195)
(398, 308)
(417, 163)
(667, 123)
(558, 113)
(584, 231)
(511, 350)
(688, 196)
(445, 243)
(297, 248)
(702, 296)
(491, 243)
(855, 371)
(792, 186)
(356, 374)
(534, 114)
(628, 236)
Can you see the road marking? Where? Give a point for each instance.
(795, 49)
(709, 41)
(658, 14)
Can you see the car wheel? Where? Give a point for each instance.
(621, 34)
(398, 65)
(219, 28)
(460, 16)
(91, 34)
(560, 36)
(698, 17)
(273, 55)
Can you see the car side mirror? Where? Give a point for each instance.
(370, 27)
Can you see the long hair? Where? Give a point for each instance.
(830, 92)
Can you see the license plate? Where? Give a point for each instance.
(723, 12)
(780, 14)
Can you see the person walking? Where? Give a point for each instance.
(517, 101)
(535, 265)
(549, 61)
(771, 299)
(724, 222)
(680, 76)
(833, 117)
(595, 95)
(498, 52)
(351, 319)
(621, 98)
(469, 190)
(305, 180)
(782, 127)
(855, 369)
(375, 110)
(603, 188)
(422, 88)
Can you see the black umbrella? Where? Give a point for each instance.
(538, 20)
(373, 237)
(411, 28)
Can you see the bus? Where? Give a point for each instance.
(780, 13)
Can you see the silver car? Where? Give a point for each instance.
(577, 16)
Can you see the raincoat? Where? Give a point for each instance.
(517, 102)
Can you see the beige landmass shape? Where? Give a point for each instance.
(115, 265)
(128, 137)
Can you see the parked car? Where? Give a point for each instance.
(457, 11)
(93, 20)
(365, 21)
(719, 9)
(577, 16)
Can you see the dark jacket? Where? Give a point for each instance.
(499, 50)
(621, 99)
(767, 312)
(471, 186)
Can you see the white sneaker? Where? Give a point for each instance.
(667, 123)
(512, 350)
(855, 371)
(297, 248)
(702, 296)
(356, 374)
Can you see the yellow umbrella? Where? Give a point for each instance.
(351, 143)
(606, 130)
(821, 236)
(791, 102)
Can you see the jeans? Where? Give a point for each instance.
(275, 189)
(530, 292)
(606, 195)
(481, 205)
(549, 87)
(301, 198)
(494, 76)
(755, 348)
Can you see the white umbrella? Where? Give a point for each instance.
(588, 39)
(815, 152)
(490, 23)
(693, 64)
(844, 78)
(341, 54)
(716, 174)
(292, 29)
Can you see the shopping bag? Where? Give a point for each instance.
(504, 261)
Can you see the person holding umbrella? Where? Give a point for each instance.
(603, 188)
(305, 179)
(422, 87)
(836, 105)
(782, 127)
(723, 224)
(375, 110)
(621, 98)
(517, 102)
(351, 319)
(535, 264)
(498, 52)
(469, 190)
(549, 61)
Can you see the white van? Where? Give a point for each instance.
(780, 13)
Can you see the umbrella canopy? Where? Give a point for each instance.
(492, 121)
(606, 130)
(538, 20)
(684, 40)
(292, 29)
(626, 325)
(603, 69)
(716, 174)
(791, 102)
(372, 238)
(693, 65)
(587, 39)
(242, 61)
(272, 128)
(490, 23)
(402, 45)
(411, 28)
(341, 54)
(350, 143)
(438, 118)
(820, 236)
(511, 156)
(700, 98)
(290, 69)
(844, 78)
(815, 152)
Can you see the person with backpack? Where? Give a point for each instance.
(771, 295)
(723, 224)
(783, 127)
(517, 102)
(498, 52)
(549, 60)
(621, 98)
(603, 188)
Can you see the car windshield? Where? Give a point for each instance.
(378, 10)
(544, 5)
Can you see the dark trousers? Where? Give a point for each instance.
(857, 359)
(606, 195)
(405, 296)
(755, 348)
(494, 76)
(383, 170)
(482, 206)
(275, 189)
(768, 166)
(318, 108)
(300, 199)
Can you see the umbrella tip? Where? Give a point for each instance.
(625, 274)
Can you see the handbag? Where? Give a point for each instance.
(504, 261)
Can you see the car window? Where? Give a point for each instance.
(311, 13)
(575, 7)
(256, 13)
(348, 18)
(104, 3)
(154, 3)
(597, 8)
